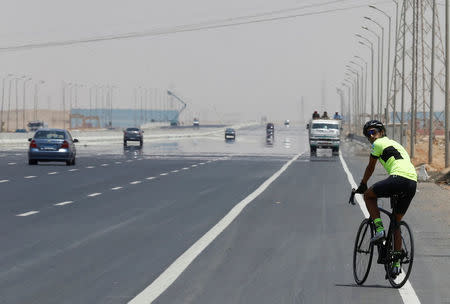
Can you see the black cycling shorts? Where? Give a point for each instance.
(405, 189)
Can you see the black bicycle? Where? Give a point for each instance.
(363, 250)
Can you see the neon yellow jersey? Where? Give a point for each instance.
(393, 157)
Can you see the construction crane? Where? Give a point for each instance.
(174, 121)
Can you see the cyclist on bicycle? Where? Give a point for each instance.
(402, 181)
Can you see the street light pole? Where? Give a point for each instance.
(24, 100)
(3, 101)
(380, 106)
(372, 70)
(378, 67)
(388, 61)
(36, 97)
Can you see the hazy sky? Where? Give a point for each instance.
(255, 69)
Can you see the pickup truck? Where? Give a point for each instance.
(324, 133)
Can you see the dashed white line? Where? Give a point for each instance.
(135, 182)
(11, 164)
(28, 213)
(185, 168)
(150, 177)
(168, 276)
(118, 163)
(94, 194)
(90, 167)
(193, 166)
(201, 163)
(64, 203)
(129, 160)
(52, 173)
(72, 170)
(164, 174)
(105, 165)
(175, 171)
(4, 181)
(30, 176)
(116, 188)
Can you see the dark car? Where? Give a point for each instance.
(270, 129)
(230, 134)
(52, 145)
(133, 134)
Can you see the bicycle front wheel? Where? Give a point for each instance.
(406, 260)
(363, 252)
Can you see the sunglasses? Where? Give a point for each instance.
(372, 132)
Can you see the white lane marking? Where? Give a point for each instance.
(52, 173)
(116, 188)
(30, 176)
(193, 166)
(17, 154)
(129, 160)
(64, 203)
(28, 213)
(150, 177)
(277, 202)
(105, 165)
(185, 168)
(407, 291)
(4, 181)
(158, 286)
(201, 163)
(118, 162)
(164, 174)
(135, 182)
(73, 170)
(90, 167)
(175, 171)
(94, 194)
(11, 164)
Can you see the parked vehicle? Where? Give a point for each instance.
(52, 145)
(133, 134)
(324, 133)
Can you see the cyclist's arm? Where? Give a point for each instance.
(369, 169)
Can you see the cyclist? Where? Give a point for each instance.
(402, 180)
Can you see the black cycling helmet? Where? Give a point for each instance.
(373, 124)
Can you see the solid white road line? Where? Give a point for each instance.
(28, 213)
(135, 182)
(52, 173)
(407, 292)
(30, 176)
(116, 188)
(4, 181)
(164, 174)
(157, 287)
(64, 203)
(94, 194)
(150, 177)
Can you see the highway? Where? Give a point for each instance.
(104, 230)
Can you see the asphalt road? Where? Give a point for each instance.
(102, 231)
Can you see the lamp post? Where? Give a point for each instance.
(379, 65)
(381, 68)
(372, 69)
(17, 99)
(36, 97)
(388, 59)
(3, 101)
(24, 100)
(356, 95)
(359, 105)
(365, 84)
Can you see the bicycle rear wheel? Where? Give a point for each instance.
(362, 252)
(406, 260)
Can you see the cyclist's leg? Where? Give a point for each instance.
(370, 198)
(406, 189)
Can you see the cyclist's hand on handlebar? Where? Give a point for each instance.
(362, 188)
(352, 197)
